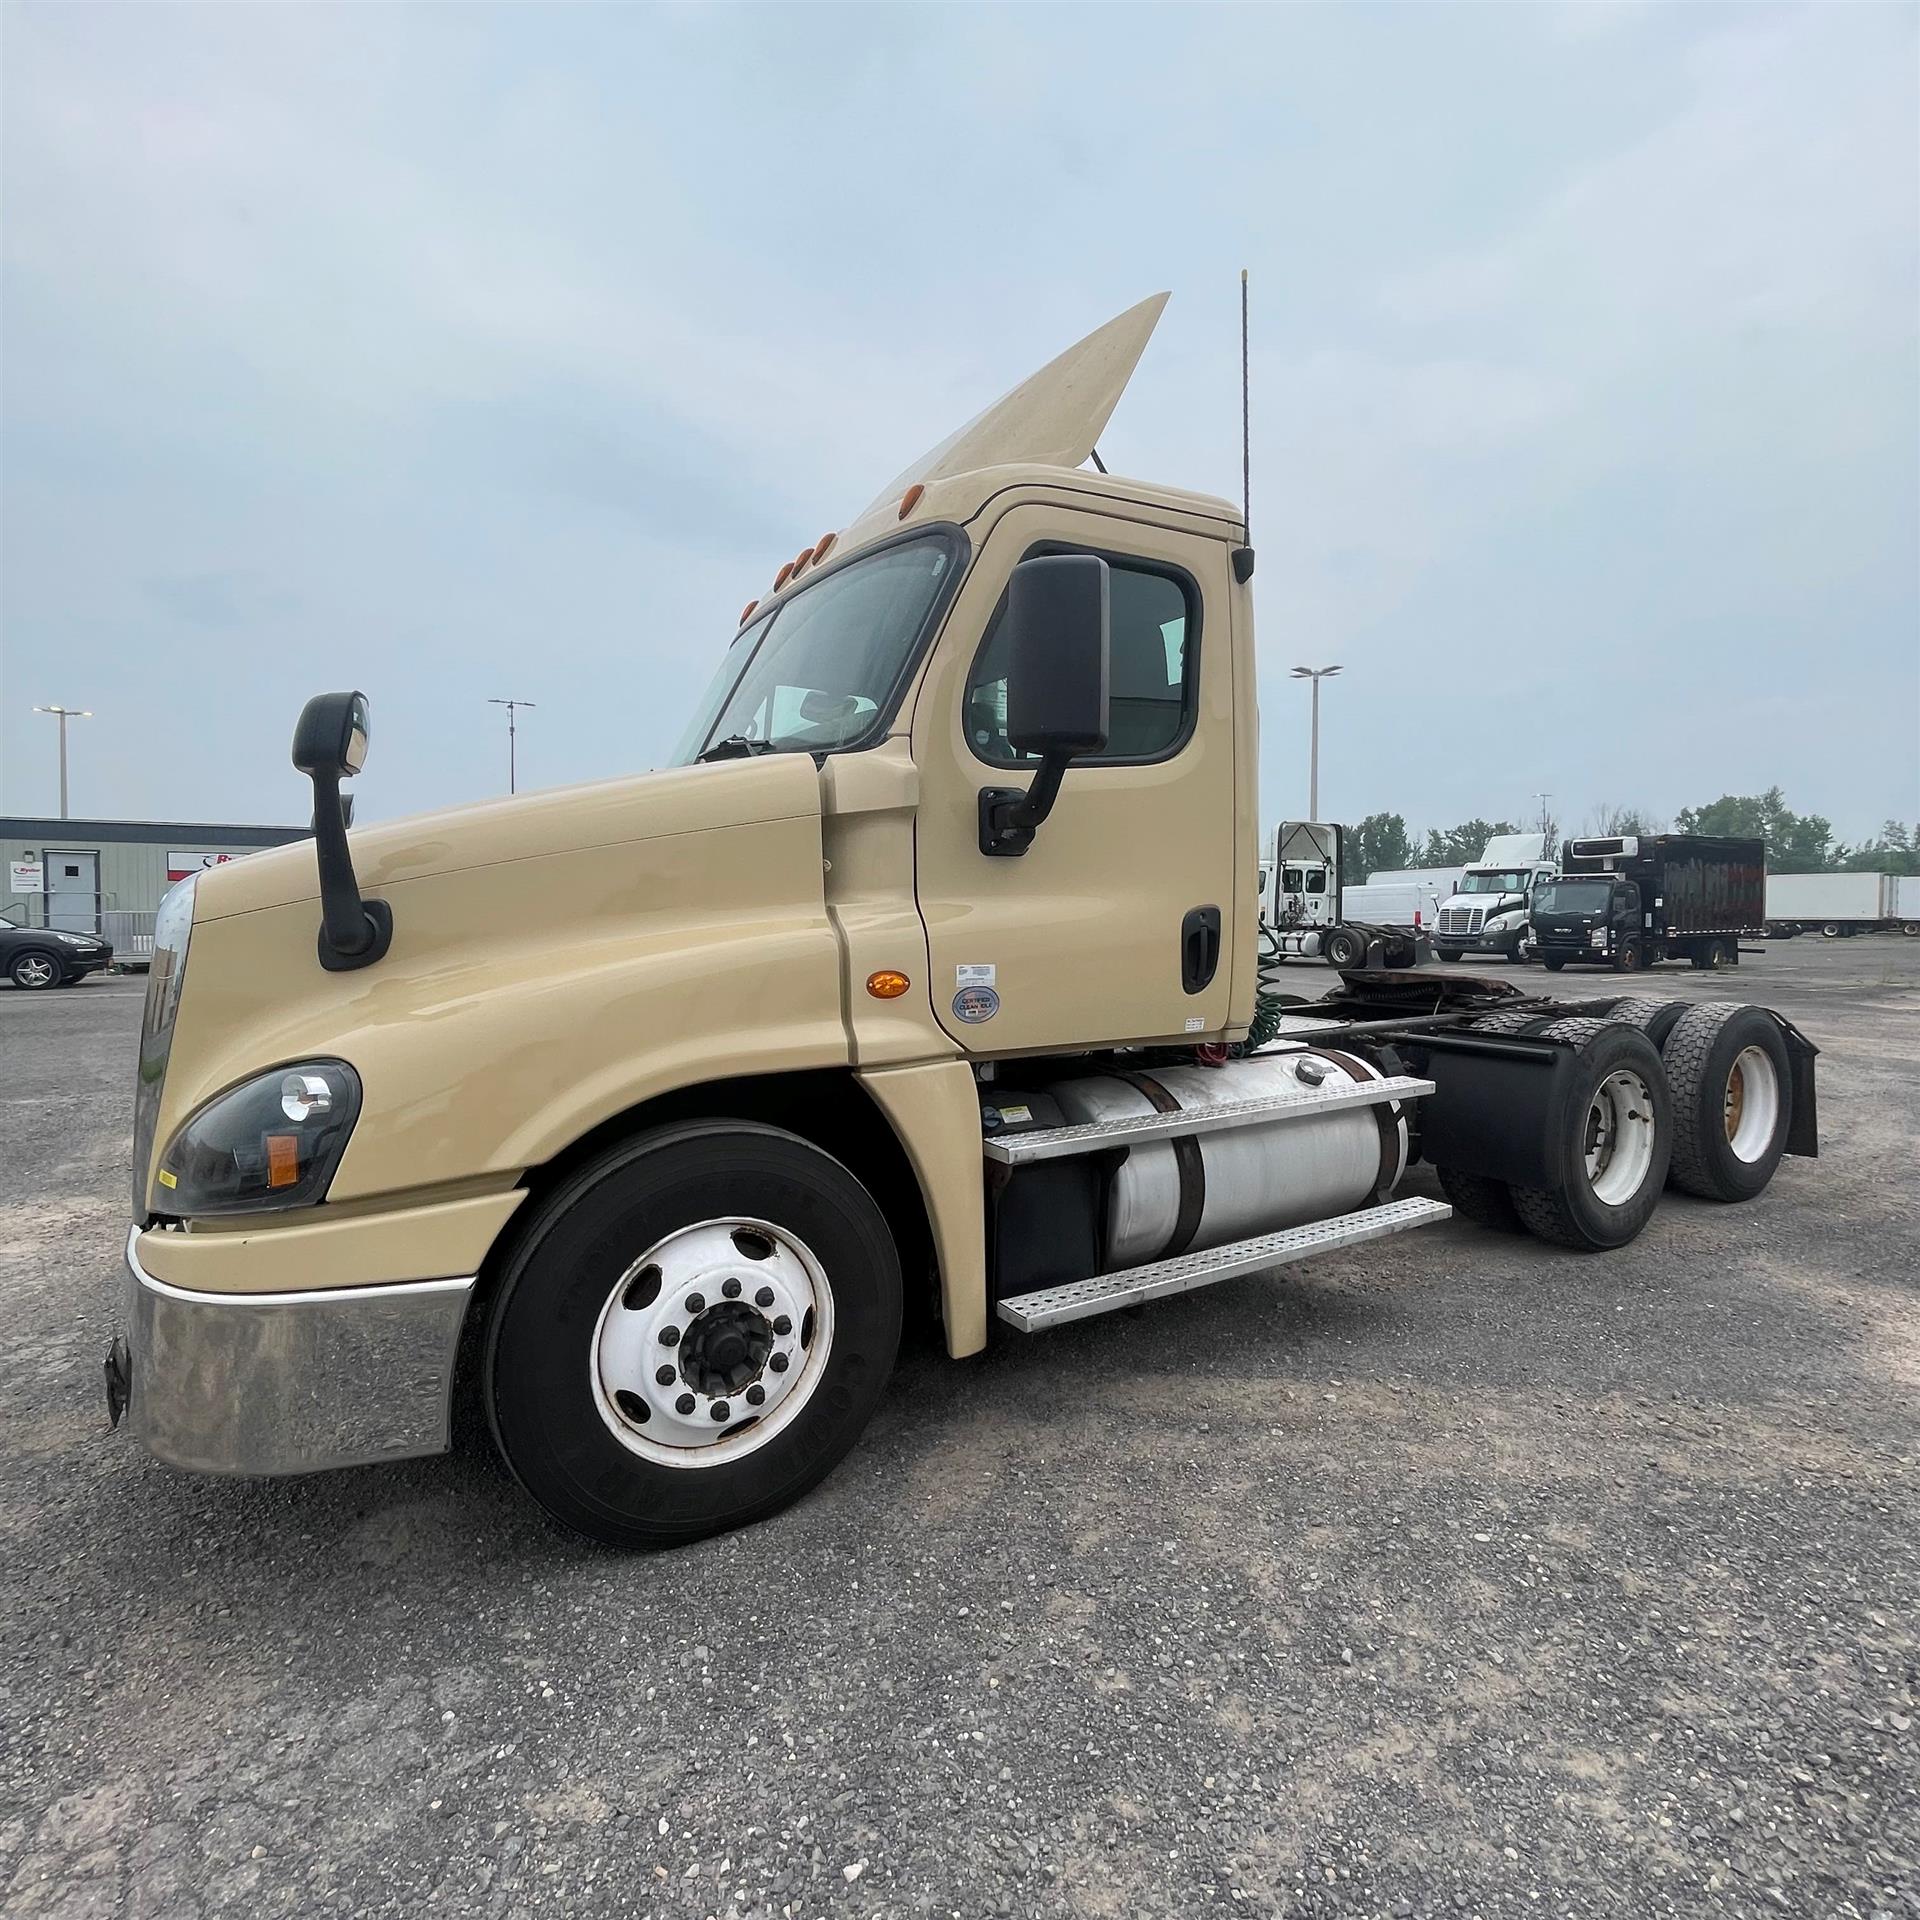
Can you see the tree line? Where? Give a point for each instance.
(1796, 842)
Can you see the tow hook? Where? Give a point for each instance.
(118, 1368)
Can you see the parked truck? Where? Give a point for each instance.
(927, 971)
(1632, 901)
(1308, 913)
(1488, 915)
(1835, 904)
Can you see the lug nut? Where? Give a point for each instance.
(665, 1376)
(669, 1336)
(756, 1394)
(731, 1288)
(720, 1410)
(764, 1298)
(696, 1303)
(783, 1325)
(778, 1363)
(684, 1404)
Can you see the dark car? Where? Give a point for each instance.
(35, 957)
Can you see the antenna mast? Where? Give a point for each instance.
(1243, 556)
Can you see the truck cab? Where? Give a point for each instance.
(1591, 918)
(1488, 915)
(925, 975)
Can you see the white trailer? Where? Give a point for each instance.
(1834, 904)
(1906, 902)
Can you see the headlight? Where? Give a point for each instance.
(75, 939)
(272, 1141)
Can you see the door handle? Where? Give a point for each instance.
(1199, 948)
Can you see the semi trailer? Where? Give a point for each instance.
(1488, 913)
(929, 972)
(1632, 901)
(1836, 904)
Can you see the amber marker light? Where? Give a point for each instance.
(821, 545)
(781, 578)
(911, 499)
(801, 558)
(746, 612)
(887, 985)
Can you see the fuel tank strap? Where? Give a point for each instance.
(1385, 1117)
(1186, 1157)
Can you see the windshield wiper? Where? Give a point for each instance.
(736, 746)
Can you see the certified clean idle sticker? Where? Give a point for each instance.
(975, 1004)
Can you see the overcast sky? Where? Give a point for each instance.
(460, 350)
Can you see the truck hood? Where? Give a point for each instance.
(607, 813)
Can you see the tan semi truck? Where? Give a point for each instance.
(928, 970)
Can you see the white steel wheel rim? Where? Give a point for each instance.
(731, 1309)
(1752, 1105)
(1618, 1141)
(36, 970)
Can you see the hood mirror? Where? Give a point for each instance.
(330, 745)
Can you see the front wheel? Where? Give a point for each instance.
(35, 972)
(1629, 958)
(1448, 954)
(692, 1334)
(1553, 962)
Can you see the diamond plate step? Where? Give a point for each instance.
(1106, 1292)
(1096, 1136)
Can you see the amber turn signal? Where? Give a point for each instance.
(911, 499)
(887, 985)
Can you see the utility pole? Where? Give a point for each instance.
(1315, 675)
(512, 707)
(1546, 825)
(65, 714)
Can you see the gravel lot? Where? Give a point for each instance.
(1449, 1576)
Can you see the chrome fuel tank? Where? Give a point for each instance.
(1180, 1196)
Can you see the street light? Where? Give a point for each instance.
(512, 706)
(65, 714)
(1316, 675)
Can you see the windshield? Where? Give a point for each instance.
(1572, 896)
(822, 670)
(1496, 880)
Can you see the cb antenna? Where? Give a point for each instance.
(1243, 556)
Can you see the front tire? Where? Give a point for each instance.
(1553, 962)
(35, 972)
(692, 1333)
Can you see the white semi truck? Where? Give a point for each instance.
(1310, 914)
(1835, 904)
(1488, 915)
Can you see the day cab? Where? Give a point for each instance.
(718, 1029)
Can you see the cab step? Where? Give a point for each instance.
(1098, 1136)
(1106, 1292)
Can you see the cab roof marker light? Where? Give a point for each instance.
(746, 612)
(801, 558)
(821, 546)
(781, 578)
(911, 499)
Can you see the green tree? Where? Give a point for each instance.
(1608, 820)
(1462, 845)
(1379, 844)
(1896, 850)
(1796, 843)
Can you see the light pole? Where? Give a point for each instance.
(1316, 675)
(65, 714)
(512, 706)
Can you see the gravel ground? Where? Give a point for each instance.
(1449, 1576)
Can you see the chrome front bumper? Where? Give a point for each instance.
(287, 1382)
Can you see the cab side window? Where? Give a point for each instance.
(1150, 684)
